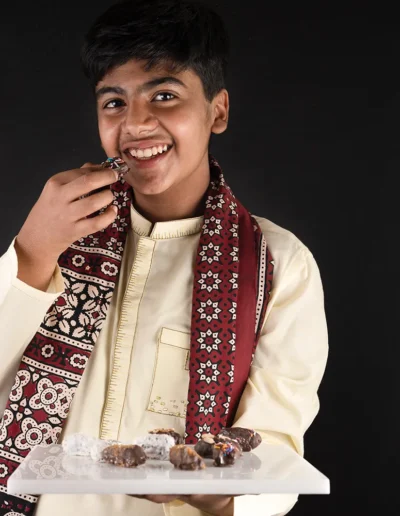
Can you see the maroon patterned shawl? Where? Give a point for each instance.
(231, 288)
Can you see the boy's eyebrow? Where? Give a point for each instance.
(142, 88)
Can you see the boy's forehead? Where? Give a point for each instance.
(133, 71)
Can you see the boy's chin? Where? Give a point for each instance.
(150, 189)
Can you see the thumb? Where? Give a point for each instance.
(88, 164)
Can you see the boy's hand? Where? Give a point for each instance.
(217, 505)
(58, 218)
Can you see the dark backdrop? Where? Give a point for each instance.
(298, 151)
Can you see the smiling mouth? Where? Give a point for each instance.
(155, 156)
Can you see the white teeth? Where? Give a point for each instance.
(147, 153)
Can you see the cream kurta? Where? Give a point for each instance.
(137, 376)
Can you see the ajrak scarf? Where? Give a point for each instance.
(231, 288)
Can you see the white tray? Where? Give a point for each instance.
(267, 469)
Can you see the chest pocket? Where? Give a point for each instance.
(170, 383)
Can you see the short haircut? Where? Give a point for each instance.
(173, 34)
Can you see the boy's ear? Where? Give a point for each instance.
(220, 112)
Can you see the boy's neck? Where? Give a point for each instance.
(183, 201)
(171, 211)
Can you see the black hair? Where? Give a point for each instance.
(175, 34)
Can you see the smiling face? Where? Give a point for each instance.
(135, 113)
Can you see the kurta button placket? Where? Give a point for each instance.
(114, 404)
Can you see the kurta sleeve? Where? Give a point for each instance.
(280, 400)
(22, 309)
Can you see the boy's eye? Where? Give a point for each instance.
(110, 102)
(107, 106)
(164, 93)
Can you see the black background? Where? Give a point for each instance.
(301, 150)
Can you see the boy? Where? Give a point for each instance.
(182, 309)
